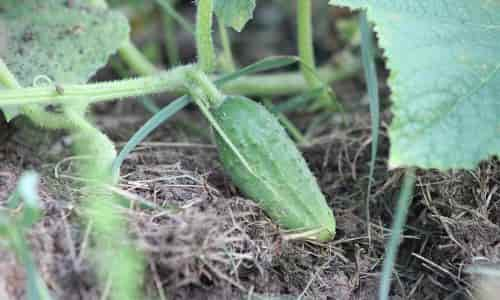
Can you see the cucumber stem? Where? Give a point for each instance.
(306, 51)
(204, 43)
(285, 83)
(167, 81)
(305, 39)
(227, 57)
(136, 60)
(199, 80)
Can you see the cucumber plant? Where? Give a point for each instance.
(51, 48)
(275, 173)
(54, 47)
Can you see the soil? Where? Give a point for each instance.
(204, 240)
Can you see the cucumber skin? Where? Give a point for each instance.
(297, 202)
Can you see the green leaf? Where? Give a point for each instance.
(234, 13)
(444, 62)
(67, 43)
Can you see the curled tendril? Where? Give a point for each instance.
(42, 80)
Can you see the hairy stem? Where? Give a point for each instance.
(197, 79)
(306, 50)
(119, 261)
(285, 83)
(305, 39)
(166, 81)
(36, 113)
(204, 43)
(136, 60)
(227, 56)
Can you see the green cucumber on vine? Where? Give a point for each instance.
(444, 113)
(264, 162)
(254, 148)
(281, 181)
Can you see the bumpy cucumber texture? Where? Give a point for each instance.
(279, 179)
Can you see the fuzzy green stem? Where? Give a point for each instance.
(199, 80)
(36, 113)
(136, 60)
(117, 258)
(286, 83)
(167, 81)
(306, 49)
(204, 43)
(305, 39)
(227, 56)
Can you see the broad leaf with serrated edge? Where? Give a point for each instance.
(66, 42)
(234, 13)
(444, 58)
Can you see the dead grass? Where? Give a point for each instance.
(203, 241)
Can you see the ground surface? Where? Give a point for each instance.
(205, 241)
(219, 244)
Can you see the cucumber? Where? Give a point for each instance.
(279, 179)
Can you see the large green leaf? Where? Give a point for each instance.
(234, 13)
(444, 58)
(67, 43)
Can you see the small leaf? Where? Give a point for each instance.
(234, 13)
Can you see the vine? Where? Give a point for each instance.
(204, 43)
(306, 53)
